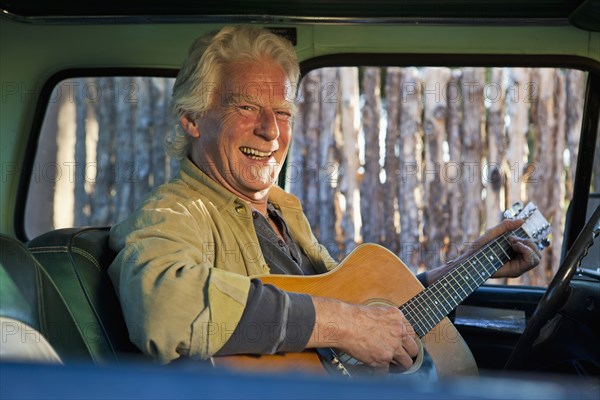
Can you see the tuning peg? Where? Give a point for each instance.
(514, 210)
(543, 244)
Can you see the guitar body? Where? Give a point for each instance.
(370, 275)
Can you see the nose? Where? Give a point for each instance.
(266, 125)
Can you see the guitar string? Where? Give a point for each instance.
(428, 321)
(465, 269)
(465, 272)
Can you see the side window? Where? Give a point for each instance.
(423, 160)
(100, 151)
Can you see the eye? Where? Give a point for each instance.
(247, 110)
(283, 115)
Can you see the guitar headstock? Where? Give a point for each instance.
(535, 225)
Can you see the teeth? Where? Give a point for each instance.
(253, 152)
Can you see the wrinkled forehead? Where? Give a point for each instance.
(264, 94)
(263, 84)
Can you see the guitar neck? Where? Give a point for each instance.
(429, 307)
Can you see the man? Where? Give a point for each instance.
(186, 256)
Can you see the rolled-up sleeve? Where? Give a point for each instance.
(274, 321)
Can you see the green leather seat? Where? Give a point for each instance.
(24, 288)
(91, 326)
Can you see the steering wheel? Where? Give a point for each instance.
(556, 293)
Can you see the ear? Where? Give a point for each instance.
(189, 125)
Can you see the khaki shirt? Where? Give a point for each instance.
(184, 261)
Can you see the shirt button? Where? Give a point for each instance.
(255, 214)
(281, 243)
(240, 209)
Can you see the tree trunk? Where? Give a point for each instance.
(518, 111)
(81, 208)
(494, 168)
(142, 149)
(472, 84)
(392, 168)
(329, 166)
(517, 108)
(104, 168)
(410, 168)
(454, 166)
(349, 163)
(296, 169)
(313, 129)
(64, 199)
(494, 175)
(435, 215)
(371, 197)
(557, 194)
(539, 179)
(159, 106)
(124, 149)
(575, 95)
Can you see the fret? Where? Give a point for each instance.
(487, 265)
(445, 297)
(457, 297)
(445, 300)
(425, 319)
(432, 299)
(466, 276)
(417, 318)
(482, 277)
(504, 251)
(498, 262)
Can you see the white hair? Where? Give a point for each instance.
(204, 66)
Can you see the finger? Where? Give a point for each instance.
(532, 244)
(506, 225)
(528, 259)
(403, 360)
(411, 347)
(527, 249)
(381, 371)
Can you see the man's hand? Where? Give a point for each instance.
(527, 254)
(377, 336)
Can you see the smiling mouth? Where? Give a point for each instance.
(256, 154)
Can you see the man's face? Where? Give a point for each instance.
(245, 135)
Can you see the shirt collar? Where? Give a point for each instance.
(217, 194)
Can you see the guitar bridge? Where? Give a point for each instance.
(332, 362)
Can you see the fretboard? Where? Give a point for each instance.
(429, 307)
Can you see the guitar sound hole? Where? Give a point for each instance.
(358, 368)
(340, 363)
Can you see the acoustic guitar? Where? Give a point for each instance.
(372, 275)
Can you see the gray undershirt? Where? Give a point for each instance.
(274, 321)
